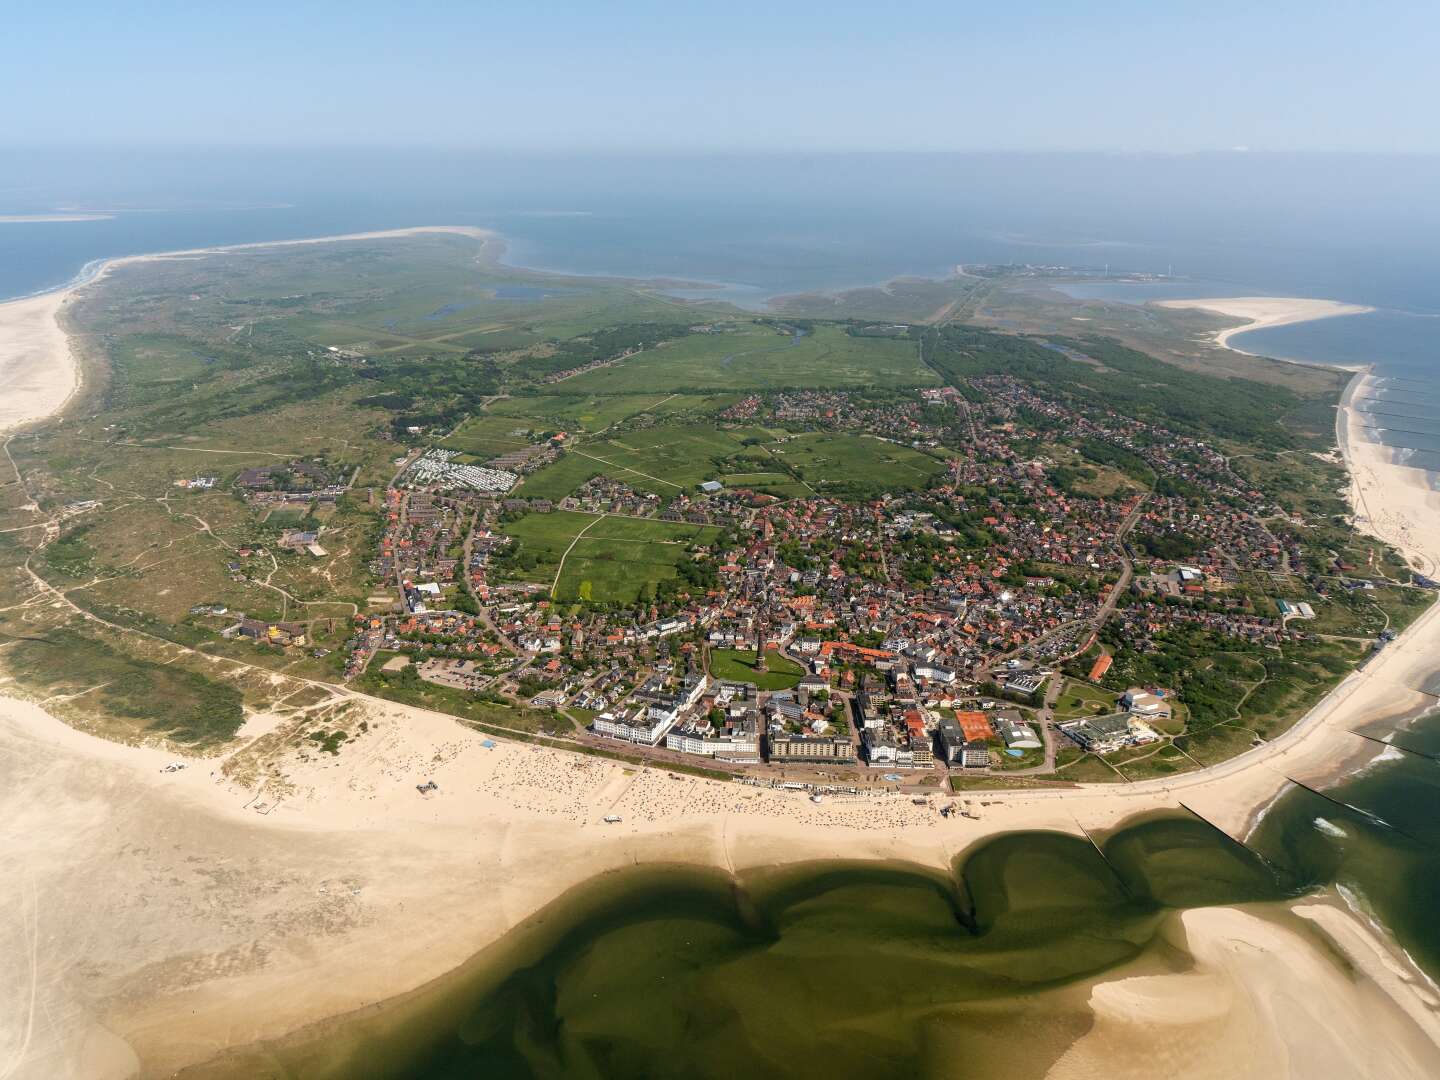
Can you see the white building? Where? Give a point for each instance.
(639, 728)
(934, 672)
(1144, 703)
(737, 740)
(1017, 736)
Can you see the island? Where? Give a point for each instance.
(370, 604)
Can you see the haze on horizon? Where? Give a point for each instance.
(649, 76)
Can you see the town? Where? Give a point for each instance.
(968, 624)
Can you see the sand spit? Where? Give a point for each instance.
(40, 219)
(1262, 1001)
(38, 368)
(161, 917)
(1262, 312)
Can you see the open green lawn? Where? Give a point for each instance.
(772, 483)
(825, 459)
(1078, 699)
(623, 559)
(664, 459)
(672, 458)
(753, 356)
(616, 560)
(560, 478)
(738, 665)
(545, 536)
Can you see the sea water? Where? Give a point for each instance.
(1354, 228)
(860, 970)
(876, 970)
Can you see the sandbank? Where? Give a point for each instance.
(1262, 312)
(26, 219)
(1262, 1001)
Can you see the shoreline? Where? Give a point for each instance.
(40, 371)
(1264, 312)
(518, 825)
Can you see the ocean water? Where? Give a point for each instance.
(1401, 406)
(877, 970)
(673, 973)
(827, 969)
(1357, 228)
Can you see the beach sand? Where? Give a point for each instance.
(37, 371)
(159, 918)
(1262, 1001)
(1261, 312)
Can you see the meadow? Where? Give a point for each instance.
(673, 458)
(757, 356)
(616, 560)
(489, 436)
(593, 413)
(840, 460)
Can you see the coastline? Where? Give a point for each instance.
(39, 369)
(1264, 312)
(518, 825)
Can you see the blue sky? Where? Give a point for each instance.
(1156, 76)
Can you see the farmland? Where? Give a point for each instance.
(595, 412)
(489, 436)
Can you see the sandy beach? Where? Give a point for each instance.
(158, 918)
(38, 368)
(37, 371)
(1262, 312)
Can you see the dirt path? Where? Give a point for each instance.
(561, 568)
(627, 468)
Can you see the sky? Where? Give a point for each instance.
(1161, 76)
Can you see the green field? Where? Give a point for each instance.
(617, 559)
(595, 412)
(772, 483)
(665, 460)
(489, 436)
(754, 356)
(824, 460)
(669, 459)
(621, 560)
(560, 478)
(738, 665)
(1078, 700)
(661, 458)
(545, 537)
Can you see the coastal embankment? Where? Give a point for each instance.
(162, 917)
